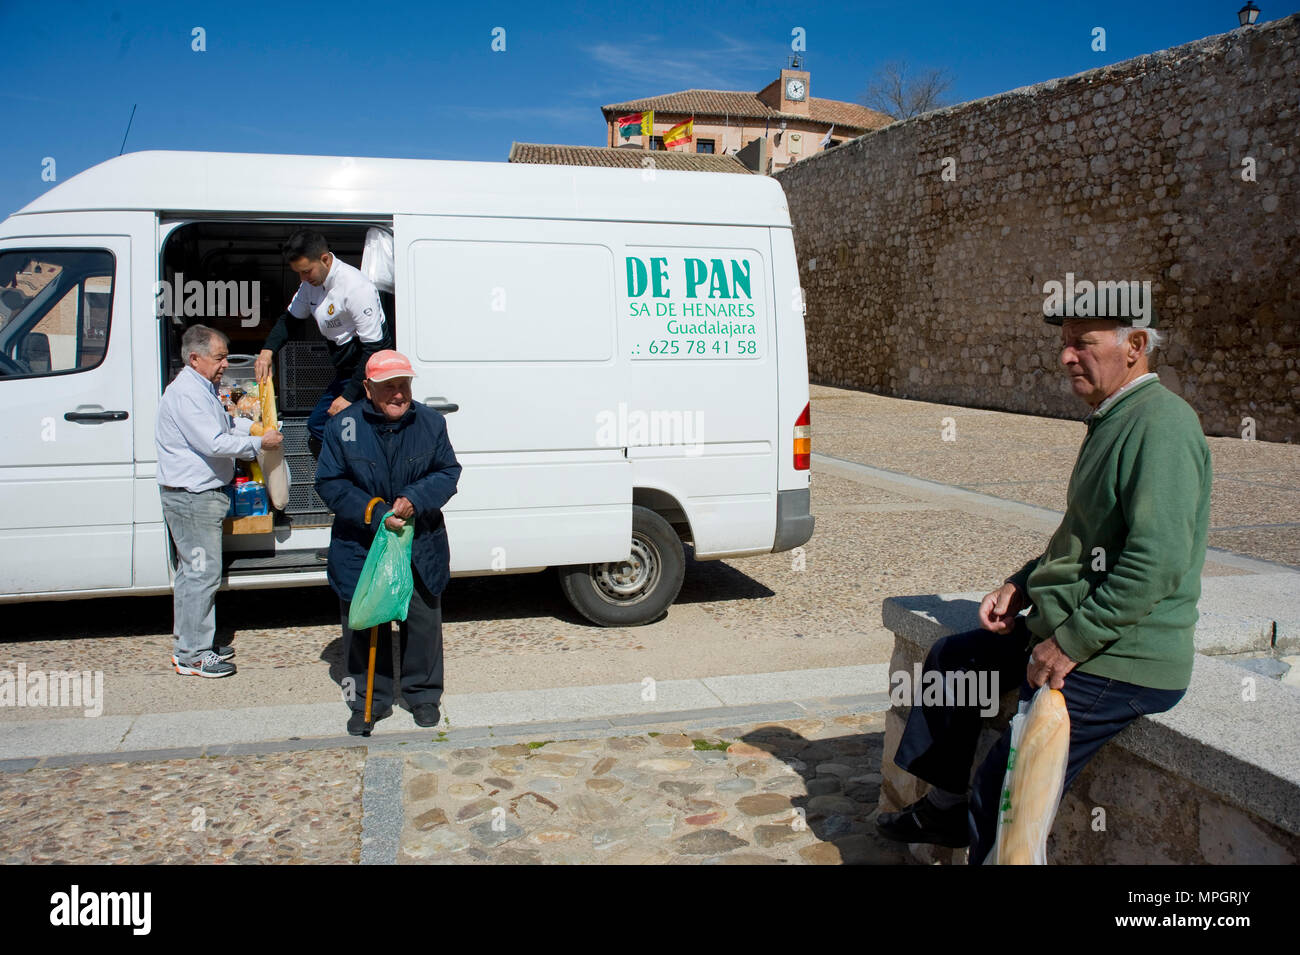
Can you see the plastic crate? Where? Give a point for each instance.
(295, 435)
(302, 493)
(305, 373)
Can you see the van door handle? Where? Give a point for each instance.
(96, 416)
(441, 404)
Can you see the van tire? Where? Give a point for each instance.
(632, 592)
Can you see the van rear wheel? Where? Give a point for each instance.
(634, 591)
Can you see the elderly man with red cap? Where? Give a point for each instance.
(396, 451)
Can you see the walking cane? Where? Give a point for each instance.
(374, 640)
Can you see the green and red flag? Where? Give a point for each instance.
(634, 124)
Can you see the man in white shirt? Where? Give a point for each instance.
(197, 445)
(347, 310)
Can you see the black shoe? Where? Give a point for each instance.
(426, 714)
(357, 721)
(923, 822)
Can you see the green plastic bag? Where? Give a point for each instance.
(384, 588)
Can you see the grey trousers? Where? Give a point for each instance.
(194, 520)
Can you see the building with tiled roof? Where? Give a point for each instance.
(779, 125)
(560, 155)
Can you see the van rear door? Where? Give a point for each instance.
(66, 472)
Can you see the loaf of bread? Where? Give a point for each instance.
(1036, 781)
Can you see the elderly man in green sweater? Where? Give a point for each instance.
(1112, 599)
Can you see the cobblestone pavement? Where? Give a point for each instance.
(281, 807)
(800, 792)
(796, 791)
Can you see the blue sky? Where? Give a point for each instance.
(420, 80)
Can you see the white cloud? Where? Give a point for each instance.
(560, 115)
(663, 66)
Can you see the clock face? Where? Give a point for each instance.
(794, 89)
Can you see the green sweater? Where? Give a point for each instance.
(1140, 491)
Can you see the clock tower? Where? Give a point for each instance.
(794, 91)
(789, 93)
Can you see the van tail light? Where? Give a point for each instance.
(803, 440)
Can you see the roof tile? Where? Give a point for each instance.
(739, 104)
(561, 155)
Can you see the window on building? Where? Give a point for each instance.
(704, 146)
(656, 142)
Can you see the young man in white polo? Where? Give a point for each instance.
(346, 308)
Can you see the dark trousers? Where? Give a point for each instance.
(420, 643)
(938, 744)
(320, 415)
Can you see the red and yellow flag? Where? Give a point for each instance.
(680, 134)
(636, 123)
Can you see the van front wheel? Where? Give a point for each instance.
(634, 591)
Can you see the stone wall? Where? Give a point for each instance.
(923, 288)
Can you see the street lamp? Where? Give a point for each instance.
(1248, 14)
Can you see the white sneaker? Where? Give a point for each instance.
(225, 653)
(210, 665)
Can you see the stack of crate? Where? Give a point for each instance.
(305, 370)
(305, 505)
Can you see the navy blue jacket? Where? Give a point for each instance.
(374, 457)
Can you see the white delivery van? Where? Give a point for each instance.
(619, 354)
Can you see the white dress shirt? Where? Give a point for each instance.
(197, 440)
(345, 305)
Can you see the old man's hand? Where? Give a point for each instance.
(998, 610)
(403, 510)
(1048, 664)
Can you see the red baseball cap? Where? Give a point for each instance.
(387, 364)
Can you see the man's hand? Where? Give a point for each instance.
(1048, 664)
(262, 367)
(998, 610)
(337, 405)
(272, 439)
(403, 511)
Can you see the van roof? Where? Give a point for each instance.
(173, 181)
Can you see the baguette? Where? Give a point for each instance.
(272, 461)
(1037, 780)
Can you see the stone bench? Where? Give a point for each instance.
(1215, 780)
